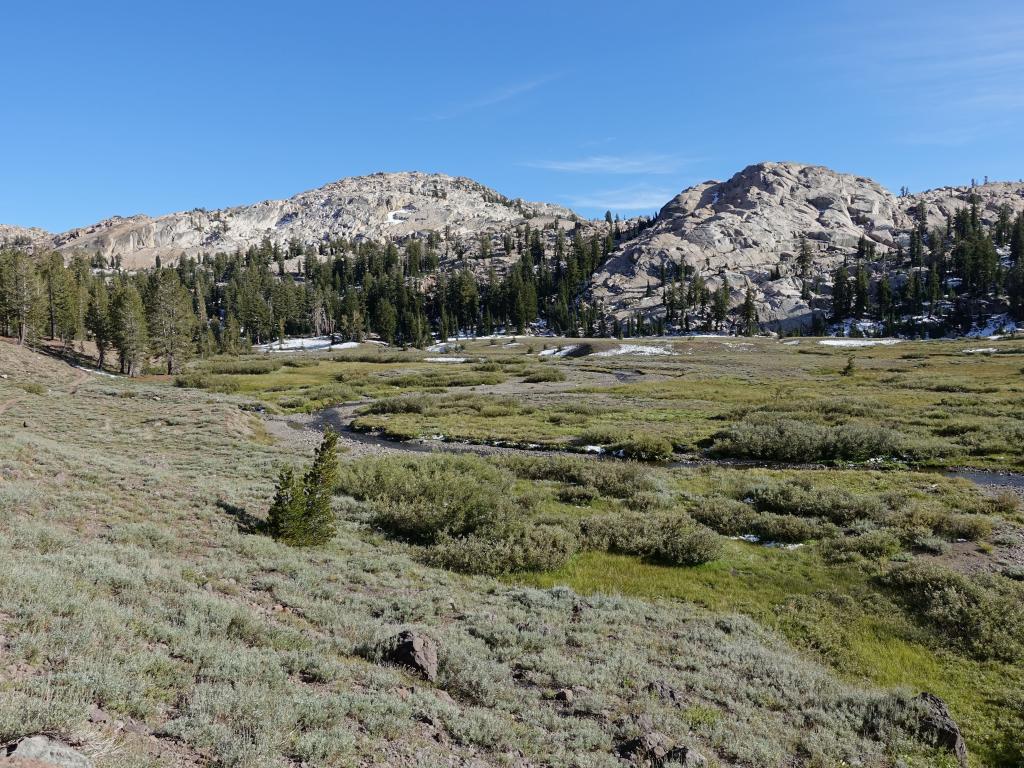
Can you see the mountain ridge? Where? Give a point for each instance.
(750, 231)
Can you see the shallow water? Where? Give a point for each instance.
(340, 422)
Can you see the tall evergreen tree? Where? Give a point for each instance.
(97, 319)
(749, 313)
(129, 333)
(21, 305)
(171, 320)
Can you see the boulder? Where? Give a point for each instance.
(938, 727)
(655, 749)
(44, 750)
(415, 651)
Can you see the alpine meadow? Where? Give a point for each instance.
(641, 451)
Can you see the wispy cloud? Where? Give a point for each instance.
(635, 197)
(491, 98)
(618, 164)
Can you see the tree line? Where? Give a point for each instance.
(223, 303)
(946, 279)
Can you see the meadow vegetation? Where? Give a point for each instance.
(764, 615)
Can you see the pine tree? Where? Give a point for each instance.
(21, 306)
(60, 298)
(171, 319)
(861, 295)
(841, 294)
(749, 313)
(320, 481)
(285, 522)
(804, 257)
(98, 320)
(129, 333)
(720, 307)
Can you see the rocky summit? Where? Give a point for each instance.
(382, 206)
(747, 232)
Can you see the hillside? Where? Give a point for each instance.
(382, 206)
(747, 231)
(145, 619)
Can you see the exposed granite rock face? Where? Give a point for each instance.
(381, 206)
(22, 236)
(747, 231)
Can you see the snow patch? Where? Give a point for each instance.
(310, 343)
(559, 351)
(96, 372)
(981, 351)
(634, 349)
(996, 326)
(446, 359)
(751, 538)
(858, 342)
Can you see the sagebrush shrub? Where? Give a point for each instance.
(984, 615)
(421, 498)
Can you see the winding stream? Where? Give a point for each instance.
(340, 420)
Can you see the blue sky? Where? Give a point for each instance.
(121, 108)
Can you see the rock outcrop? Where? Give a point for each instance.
(381, 206)
(23, 236)
(415, 651)
(747, 232)
(44, 751)
(938, 727)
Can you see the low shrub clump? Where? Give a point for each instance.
(871, 545)
(464, 510)
(215, 383)
(244, 367)
(521, 547)
(773, 438)
(672, 539)
(801, 497)
(643, 447)
(983, 616)
(421, 499)
(734, 518)
(544, 374)
(617, 479)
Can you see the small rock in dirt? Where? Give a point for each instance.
(665, 692)
(445, 697)
(656, 749)
(688, 757)
(566, 695)
(649, 749)
(97, 715)
(48, 751)
(139, 729)
(417, 652)
(938, 726)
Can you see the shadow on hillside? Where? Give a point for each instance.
(58, 351)
(246, 522)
